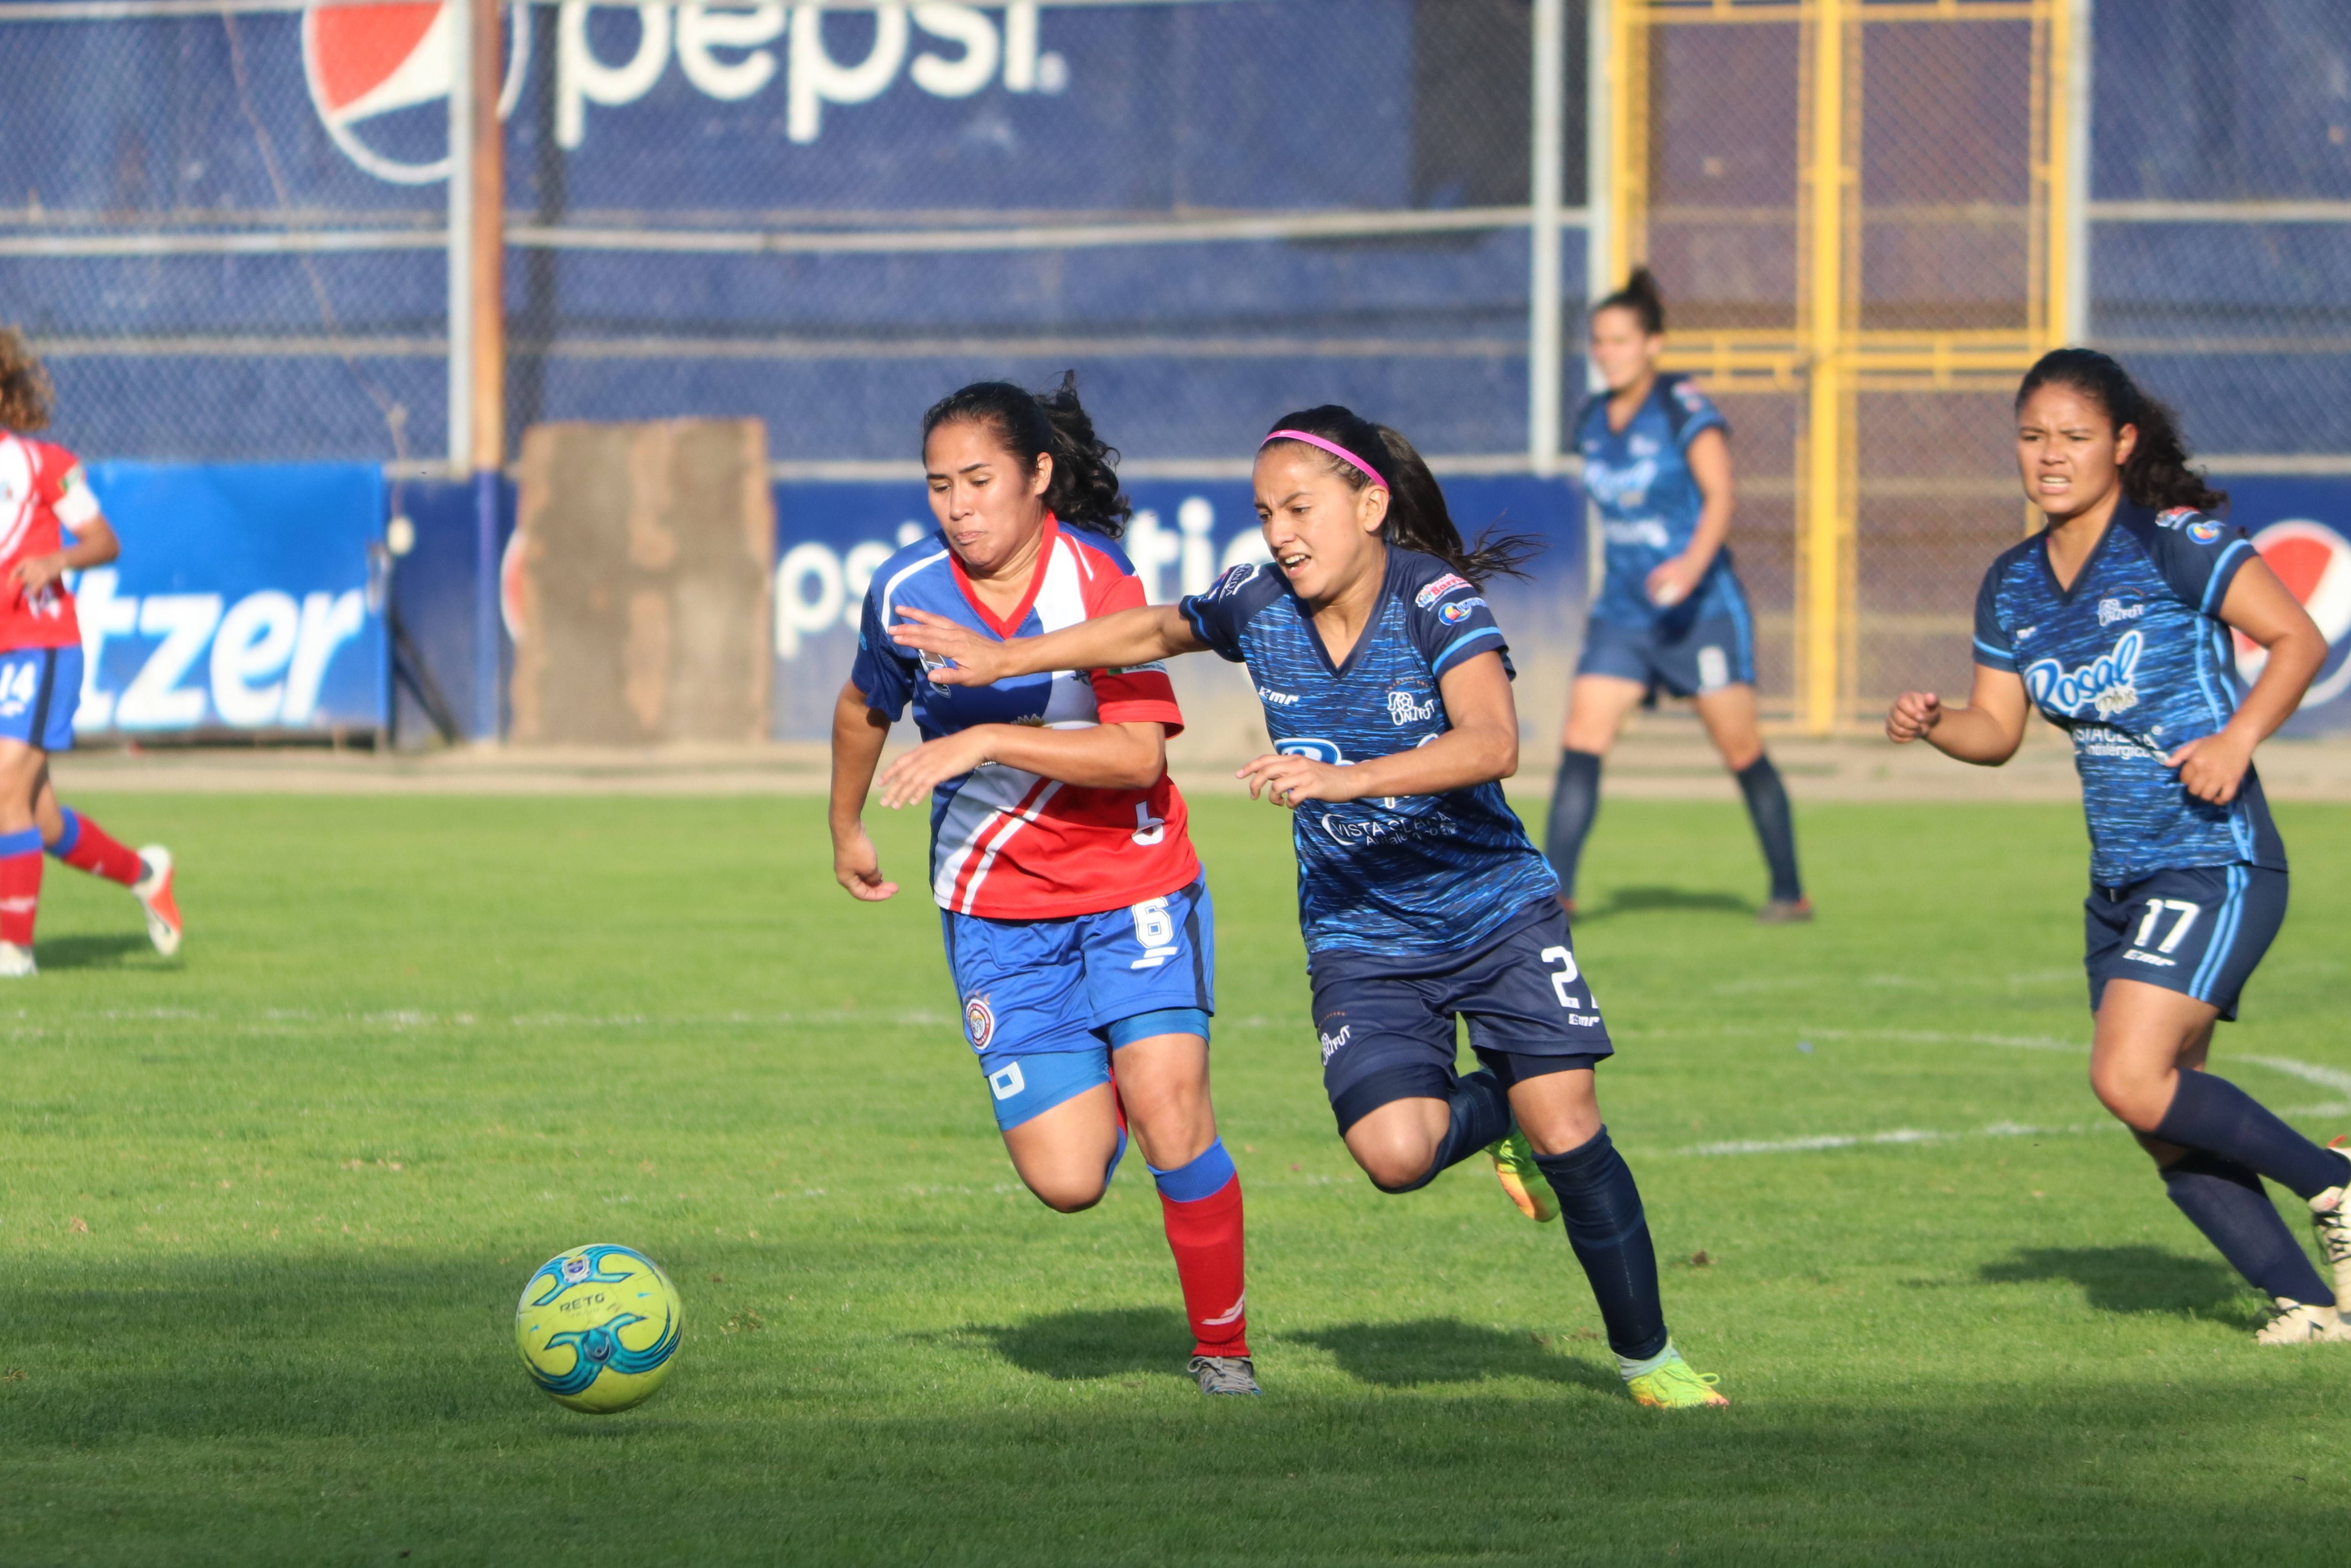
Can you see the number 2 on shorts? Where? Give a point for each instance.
(1563, 977)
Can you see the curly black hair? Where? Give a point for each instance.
(2157, 474)
(1084, 488)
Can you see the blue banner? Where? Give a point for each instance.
(244, 600)
(2303, 528)
(831, 538)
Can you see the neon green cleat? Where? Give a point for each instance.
(1672, 1385)
(1514, 1164)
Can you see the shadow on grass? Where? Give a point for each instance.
(1640, 900)
(102, 951)
(1447, 1350)
(2133, 1279)
(1068, 1346)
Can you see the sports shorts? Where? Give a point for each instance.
(1045, 1002)
(2199, 932)
(1682, 654)
(41, 689)
(1387, 1032)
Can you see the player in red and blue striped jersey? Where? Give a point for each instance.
(1077, 921)
(1386, 689)
(49, 525)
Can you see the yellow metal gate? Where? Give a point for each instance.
(1848, 205)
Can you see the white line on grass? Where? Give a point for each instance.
(2309, 1072)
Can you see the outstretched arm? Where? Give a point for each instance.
(2212, 767)
(1481, 747)
(1139, 636)
(858, 732)
(1128, 756)
(1986, 732)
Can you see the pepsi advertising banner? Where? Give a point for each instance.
(245, 601)
(2303, 528)
(832, 537)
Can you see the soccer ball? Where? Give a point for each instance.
(598, 1326)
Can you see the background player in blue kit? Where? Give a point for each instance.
(1670, 614)
(1386, 689)
(2115, 622)
(1077, 921)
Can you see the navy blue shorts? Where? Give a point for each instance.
(2199, 932)
(1387, 1030)
(1682, 656)
(41, 689)
(1045, 1002)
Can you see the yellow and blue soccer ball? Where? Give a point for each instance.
(598, 1327)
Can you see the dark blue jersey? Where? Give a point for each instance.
(1640, 482)
(1409, 877)
(2135, 662)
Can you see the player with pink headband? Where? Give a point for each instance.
(1386, 689)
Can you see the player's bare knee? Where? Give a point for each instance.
(2137, 1100)
(1066, 1196)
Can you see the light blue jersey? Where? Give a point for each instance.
(2134, 662)
(1640, 482)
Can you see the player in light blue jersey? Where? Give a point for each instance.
(1670, 614)
(1386, 689)
(2115, 621)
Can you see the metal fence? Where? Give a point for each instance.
(228, 225)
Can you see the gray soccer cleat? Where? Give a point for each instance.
(2293, 1322)
(1785, 911)
(2330, 1216)
(1224, 1374)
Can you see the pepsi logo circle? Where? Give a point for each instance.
(379, 75)
(2313, 561)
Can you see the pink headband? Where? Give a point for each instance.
(1332, 447)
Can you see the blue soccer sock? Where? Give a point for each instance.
(1574, 802)
(2225, 1201)
(1775, 827)
(1605, 1225)
(1482, 1115)
(2215, 1116)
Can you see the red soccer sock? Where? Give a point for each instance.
(1205, 1234)
(20, 885)
(85, 846)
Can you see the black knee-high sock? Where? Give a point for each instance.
(1575, 802)
(1767, 803)
(2225, 1201)
(2213, 1114)
(1610, 1234)
(1482, 1115)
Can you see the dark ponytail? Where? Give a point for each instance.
(1418, 519)
(2157, 474)
(1640, 296)
(1084, 488)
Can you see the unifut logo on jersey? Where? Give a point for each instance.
(379, 75)
(2313, 561)
(2104, 684)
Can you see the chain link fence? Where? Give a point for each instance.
(226, 226)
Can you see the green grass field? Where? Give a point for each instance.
(265, 1213)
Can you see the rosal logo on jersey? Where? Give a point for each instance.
(375, 71)
(1449, 583)
(2313, 561)
(2104, 684)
